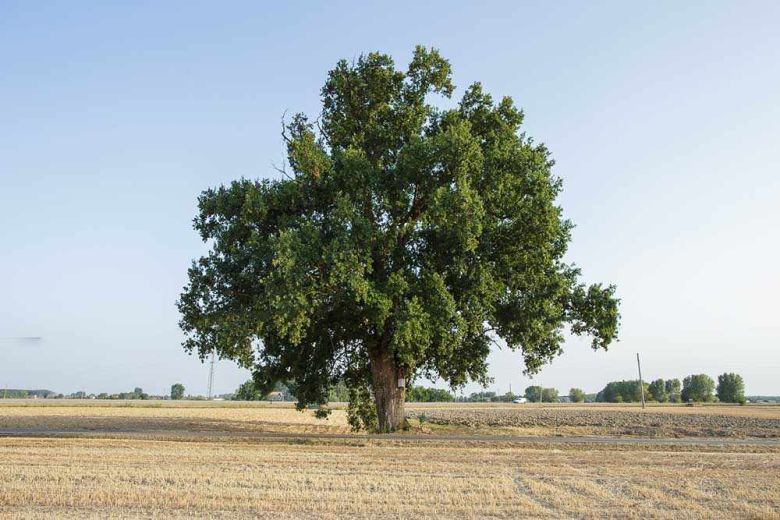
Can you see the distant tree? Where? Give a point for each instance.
(622, 392)
(12, 393)
(338, 393)
(576, 395)
(288, 389)
(658, 391)
(405, 238)
(731, 388)
(549, 395)
(428, 395)
(673, 389)
(440, 395)
(481, 397)
(138, 393)
(248, 391)
(177, 391)
(102, 395)
(698, 387)
(533, 394)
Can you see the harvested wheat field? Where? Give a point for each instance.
(227, 460)
(604, 419)
(761, 421)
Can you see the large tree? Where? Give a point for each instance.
(403, 241)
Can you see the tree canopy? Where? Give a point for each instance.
(658, 391)
(421, 394)
(622, 392)
(533, 393)
(673, 387)
(403, 241)
(576, 395)
(177, 391)
(698, 387)
(731, 388)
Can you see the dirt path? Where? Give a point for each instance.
(406, 437)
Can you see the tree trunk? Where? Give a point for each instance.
(388, 395)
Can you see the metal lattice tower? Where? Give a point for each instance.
(211, 373)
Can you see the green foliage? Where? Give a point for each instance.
(576, 395)
(338, 393)
(13, 393)
(137, 393)
(403, 234)
(177, 391)
(549, 395)
(361, 410)
(419, 394)
(731, 388)
(482, 397)
(698, 388)
(248, 391)
(673, 389)
(533, 394)
(537, 394)
(622, 392)
(658, 392)
(488, 397)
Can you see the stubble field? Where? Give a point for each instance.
(227, 460)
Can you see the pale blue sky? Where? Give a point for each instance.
(663, 117)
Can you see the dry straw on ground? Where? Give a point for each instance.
(210, 475)
(102, 477)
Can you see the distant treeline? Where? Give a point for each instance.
(694, 388)
(730, 388)
(137, 393)
(15, 393)
(763, 398)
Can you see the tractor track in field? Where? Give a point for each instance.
(405, 437)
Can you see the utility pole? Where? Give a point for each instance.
(211, 373)
(641, 384)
